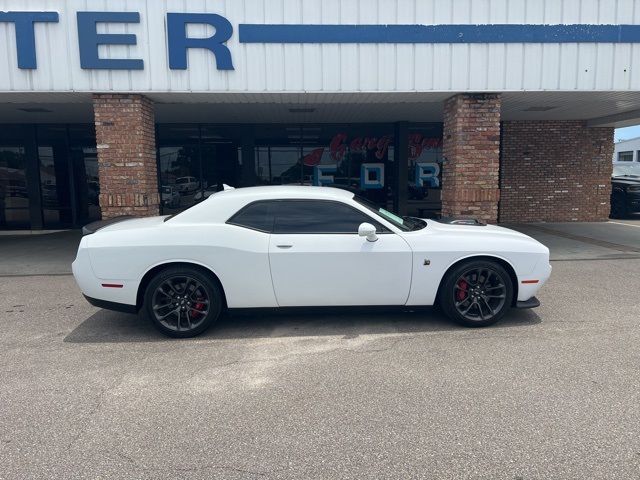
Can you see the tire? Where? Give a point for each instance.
(183, 302)
(619, 207)
(481, 287)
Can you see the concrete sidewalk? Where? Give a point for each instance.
(587, 241)
(46, 254)
(52, 254)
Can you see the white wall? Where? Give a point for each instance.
(334, 68)
(632, 145)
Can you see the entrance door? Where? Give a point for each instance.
(318, 259)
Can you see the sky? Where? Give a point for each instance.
(627, 133)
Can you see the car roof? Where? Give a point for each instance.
(272, 192)
(220, 206)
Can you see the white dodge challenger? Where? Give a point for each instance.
(278, 247)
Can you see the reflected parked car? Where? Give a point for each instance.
(49, 195)
(625, 190)
(17, 190)
(93, 192)
(187, 185)
(203, 195)
(170, 197)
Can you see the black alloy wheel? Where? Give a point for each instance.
(183, 302)
(477, 293)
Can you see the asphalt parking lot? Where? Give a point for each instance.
(547, 393)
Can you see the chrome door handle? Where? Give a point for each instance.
(284, 246)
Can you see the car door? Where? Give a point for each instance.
(317, 257)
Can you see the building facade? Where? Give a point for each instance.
(498, 109)
(627, 152)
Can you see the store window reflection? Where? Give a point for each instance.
(87, 183)
(55, 187)
(221, 159)
(354, 157)
(84, 162)
(179, 173)
(195, 161)
(14, 199)
(425, 171)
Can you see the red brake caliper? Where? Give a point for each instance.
(195, 314)
(461, 294)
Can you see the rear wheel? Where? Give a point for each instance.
(183, 302)
(476, 293)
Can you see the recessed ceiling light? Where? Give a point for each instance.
(538, 109)
(35, 110)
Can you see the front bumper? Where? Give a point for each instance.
(533, 302)
(633, 202)
(116, 307)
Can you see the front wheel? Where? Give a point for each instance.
(476, 293)
(183, 302)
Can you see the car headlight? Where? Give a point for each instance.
(633, 188)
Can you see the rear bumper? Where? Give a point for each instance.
(533, 302)
(105, 290)
(116, 307)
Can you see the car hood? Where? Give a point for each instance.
(484, 237)
(626, 180)
(474, 229)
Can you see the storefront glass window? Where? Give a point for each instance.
(84, 161)
(195, 161)
(425, 170)
(221, 158)
(355, 157)
(14, 199)
(55, 187)
(179, 164)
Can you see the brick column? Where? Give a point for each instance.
(555, 171)
(125, 136)
(470, 176)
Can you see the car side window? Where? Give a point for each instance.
(318, 216)
(257, 216)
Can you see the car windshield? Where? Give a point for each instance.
(627, 171)
(406, 224)
(182, 180)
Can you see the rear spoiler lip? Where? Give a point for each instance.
(93, 227)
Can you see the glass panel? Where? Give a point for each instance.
(302, 216)
(285, 165)
(55, 188)
(625, 156)
(87, 183)
(179, 163)
(425, 171)
(14, 200)
(257, 216)
(356, 157)
(179, 173)
(221, 159)
(84, 161)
